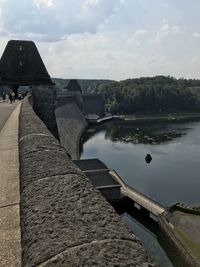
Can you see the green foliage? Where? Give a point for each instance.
(84, 83)
(151, 94)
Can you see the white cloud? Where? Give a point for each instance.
(44, 3)
(165, 30)
(137, 37)
(54, 19)
(196, 35)
(114, 39)
(140, 32)
(90, 2)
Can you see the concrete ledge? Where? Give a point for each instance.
(65, 220)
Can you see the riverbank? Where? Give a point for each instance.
(149, 117)
(176, 116)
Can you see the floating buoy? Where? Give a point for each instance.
(148, 158)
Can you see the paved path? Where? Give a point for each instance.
(10, 241)
(5, 111)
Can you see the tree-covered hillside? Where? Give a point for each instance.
(84, 83)
(151, 94)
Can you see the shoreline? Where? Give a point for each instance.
(170, 117)
(177, 116)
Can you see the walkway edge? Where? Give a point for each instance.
(10, 233)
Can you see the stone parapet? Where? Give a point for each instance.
(64, 220)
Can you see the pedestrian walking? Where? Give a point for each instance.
(10, 97)
(4, 97)
(13, 96)
(19, 97)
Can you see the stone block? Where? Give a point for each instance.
(42, 163)
(110, 253)
(62, 212)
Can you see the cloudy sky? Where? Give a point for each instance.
(110, 39)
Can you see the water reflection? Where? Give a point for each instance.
(175, 163)
(148, 158)
(137, 133)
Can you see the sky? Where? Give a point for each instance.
(108, 39)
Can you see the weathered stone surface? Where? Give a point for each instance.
(29, 122)
(35, 142)
(44, 105)
(63, 212)
(71, 124)
(100, 253)
(43, 163)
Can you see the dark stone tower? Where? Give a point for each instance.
(74, 89)
(73, 86)
(21, 64)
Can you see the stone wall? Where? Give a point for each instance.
(94, 104)
(63, 100)
(71, 123)
(44, 105)
(64, 220)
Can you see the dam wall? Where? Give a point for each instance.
(70, 123)
(94, 104)
(65, 221)
(44, 105)
(180, 255)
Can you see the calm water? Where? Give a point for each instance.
(148, 241)
(172, 175)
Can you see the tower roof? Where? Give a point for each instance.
(21, 64)
(73, 86)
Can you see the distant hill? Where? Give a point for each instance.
(61, 83)
(84, 83)
(151, 94)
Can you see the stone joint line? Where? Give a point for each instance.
(38, 134)
(81, 246)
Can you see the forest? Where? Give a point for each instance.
(150, 94)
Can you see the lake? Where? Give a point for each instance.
(171, 176)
